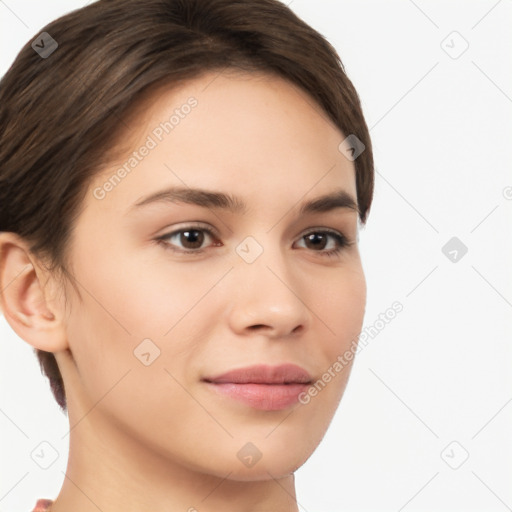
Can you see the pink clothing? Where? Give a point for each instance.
(42, 505)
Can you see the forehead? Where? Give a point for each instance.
(230, 129)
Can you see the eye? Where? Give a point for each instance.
(191, 239)
(318, 240)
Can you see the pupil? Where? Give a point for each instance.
(194, 237)
(315, 237)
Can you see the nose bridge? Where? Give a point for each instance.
(266, 291)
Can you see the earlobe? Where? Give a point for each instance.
(22, 297)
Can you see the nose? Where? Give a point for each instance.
(268, 298)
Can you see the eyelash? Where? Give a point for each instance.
(342, 240)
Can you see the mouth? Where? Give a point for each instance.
(262, 387)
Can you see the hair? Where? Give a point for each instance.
(60, 115)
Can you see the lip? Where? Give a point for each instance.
(262, 387)
(264, 374)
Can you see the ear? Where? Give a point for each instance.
(22, 297)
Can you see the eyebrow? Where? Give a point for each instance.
(219, 200)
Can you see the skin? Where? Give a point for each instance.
(156, 437)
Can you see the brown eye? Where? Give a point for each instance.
(187, 240)
(192, 239)
(320, 241)
(316, 240)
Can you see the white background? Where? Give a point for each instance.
(441, 370)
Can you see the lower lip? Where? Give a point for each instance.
(266, 397)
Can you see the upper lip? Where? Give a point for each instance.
(264, 374)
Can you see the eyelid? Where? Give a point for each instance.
(191, 225)
(334, 232)
(322, 229)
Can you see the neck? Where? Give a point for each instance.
(109, 470)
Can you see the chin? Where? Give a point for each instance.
(264, 459)
(272, 468)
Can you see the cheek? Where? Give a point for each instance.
(115, 381)
(101, 347)
(161, 296)
(342, 306)
(137, 298)
(130, 311)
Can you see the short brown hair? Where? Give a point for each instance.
(59, 115)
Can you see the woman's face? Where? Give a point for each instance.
(175, 293)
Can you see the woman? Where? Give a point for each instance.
(181, 187)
